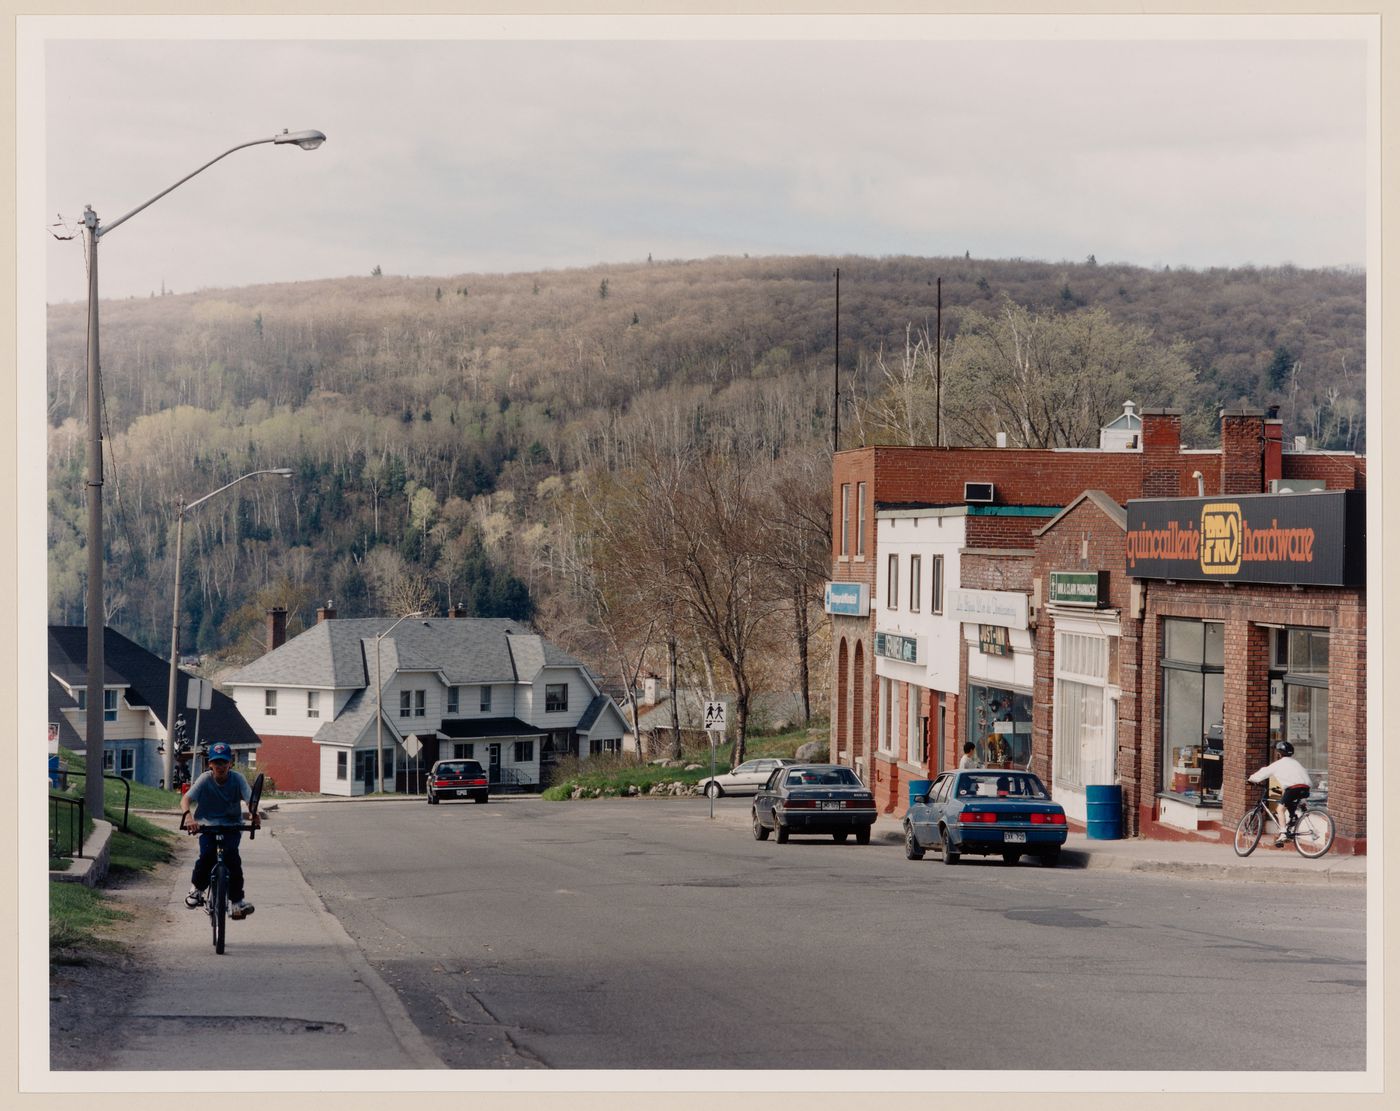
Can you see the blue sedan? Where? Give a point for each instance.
(986, 812)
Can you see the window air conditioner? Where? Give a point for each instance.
(980, 492)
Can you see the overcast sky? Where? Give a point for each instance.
(448, 156)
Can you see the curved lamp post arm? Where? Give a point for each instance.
(285, 472)
(307, 140)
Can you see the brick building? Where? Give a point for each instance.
(982, 596)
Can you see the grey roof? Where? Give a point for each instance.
(350, 724)
(339, 653)
(1110, 508)
(590, 715)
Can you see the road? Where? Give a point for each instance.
(634, 934)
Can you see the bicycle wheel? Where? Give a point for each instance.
(1314, 834)
(218, 903)
(1248, 832)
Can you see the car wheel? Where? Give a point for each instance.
(714, 790)
(912, 849)
(1051, 858)
(432, 799)
(780, 832)
(950, 854)
(482, 798)
(1012, 856)
(839, 838)
(760, 831)
(863, 836)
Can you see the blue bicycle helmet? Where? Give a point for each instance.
(1283, 748)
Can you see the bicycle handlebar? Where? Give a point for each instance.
(251, 829)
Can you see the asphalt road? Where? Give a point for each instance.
(636, 934)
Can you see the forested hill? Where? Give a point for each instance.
(434, 422)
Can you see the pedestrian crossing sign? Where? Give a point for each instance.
(714, 717)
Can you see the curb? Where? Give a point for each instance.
(90, 870)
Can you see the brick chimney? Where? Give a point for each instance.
(276, 628)
(1242, 451)
(1161, 453)
(326, 612)
(1273, 447)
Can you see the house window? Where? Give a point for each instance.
(915, 587)
(845, 518)
(270, 703)
(936, 574)
(109, 760)
(463, 751)
(599, 745)
(524, 751)
(892, 583)
(405, 704)
(485, 698)
(109, 705)
(420, 704)
(452, 700)
(81, 694)
(860, 519)
(313, 704)
(1298, 680)
(1193, 698)
(342, 765)
(556, 698)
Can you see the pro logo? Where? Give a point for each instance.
(1222, 538)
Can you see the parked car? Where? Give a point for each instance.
(746, 779)
(813, 798)
(988, 812)
(455, 779)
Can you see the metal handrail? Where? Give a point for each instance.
(76, 806)
(126, 783)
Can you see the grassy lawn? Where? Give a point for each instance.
(606, 778)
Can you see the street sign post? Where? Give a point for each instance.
(412, 746)
(714, 726)
(199, 695)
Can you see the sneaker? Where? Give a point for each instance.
(240, 909)
(195, 898)
(1281, 840)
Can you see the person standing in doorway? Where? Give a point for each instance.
(969, 757)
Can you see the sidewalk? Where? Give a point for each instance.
(288, 969)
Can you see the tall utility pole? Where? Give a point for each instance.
(836, 375)
(938, 373)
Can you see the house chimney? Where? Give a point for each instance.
(326, 612)
(1242, 451)
(1273, 447)
(1001, 439)
(276, 628)
(1161, 453)
(649, 690)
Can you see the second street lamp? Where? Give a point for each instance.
(93, 230)
(168, 761)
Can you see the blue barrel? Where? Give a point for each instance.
(918, 787)
(1105, 812)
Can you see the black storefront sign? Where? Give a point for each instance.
(1313, 539)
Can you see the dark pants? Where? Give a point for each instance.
(1291, 797)
(204, 866)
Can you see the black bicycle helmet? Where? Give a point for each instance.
(1283, 748)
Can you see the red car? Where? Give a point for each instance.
(456, 779)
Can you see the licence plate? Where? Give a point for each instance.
(1015, 836)
(836, 805)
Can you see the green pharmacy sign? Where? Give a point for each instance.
(1079, 588)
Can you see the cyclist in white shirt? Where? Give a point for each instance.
(1294, 780)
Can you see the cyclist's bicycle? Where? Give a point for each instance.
(1311, 831)
(216, 897)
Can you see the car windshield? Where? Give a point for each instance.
(1013, 785)
(823, 777)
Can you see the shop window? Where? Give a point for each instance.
(1298, 698)
(886, 740)
(892, 583)
(915, 586)
(1082, 754)
(1193, 700)
(936, 574)
(845, 518)
(556, 698)
(911, 727)
(860, 519)
(999, 724)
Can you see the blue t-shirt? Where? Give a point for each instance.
(215, 805)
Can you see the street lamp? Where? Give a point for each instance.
(379, 702)
(96, 616)
(168, 763)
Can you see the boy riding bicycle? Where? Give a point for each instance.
(1295, 781)
(216, 799)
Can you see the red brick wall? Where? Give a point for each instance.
(292, 763)
(1338, 610)
(1242, 449)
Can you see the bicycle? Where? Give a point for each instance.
(216, 900)
(1312, 831)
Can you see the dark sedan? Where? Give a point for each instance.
(816, 799)
(458, 779)
(990, 812)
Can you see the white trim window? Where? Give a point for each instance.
(109, 706)
(313, 704)
(911, 695)
(887, 738)
(892, 582)
(452, 699)
(845, 519)
(915, 585)
(936, 575)
(486, 698)
(1082, 755)
(270, 703)
(860, 520)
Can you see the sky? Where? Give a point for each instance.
(1136, 141)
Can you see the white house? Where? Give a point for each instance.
(478, 688)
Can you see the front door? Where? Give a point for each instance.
(493, 770)
(365, 770)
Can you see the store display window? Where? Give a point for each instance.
(1193, 705)
(1298, 677)
(999, 724)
